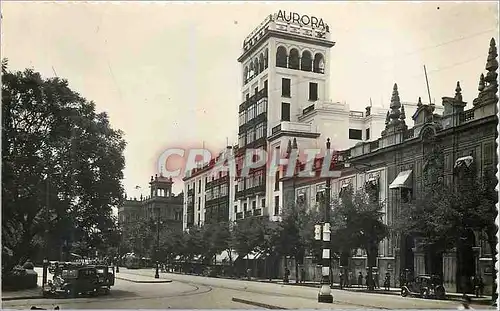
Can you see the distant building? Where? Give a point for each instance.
(208, 193)
(397, 165)
(161, 204)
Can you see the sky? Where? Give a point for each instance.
(167, 73)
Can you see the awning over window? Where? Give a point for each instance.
(224, 257)
(402, 180)
(467, 161)
(253, 256)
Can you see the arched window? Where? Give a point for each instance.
(256, 66)
(293, 60)
(266, 58)
(281, 57)
(261, 63)
(306, 61)
(245, 75)
(252, 71)
(319, 63)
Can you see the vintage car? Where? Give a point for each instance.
(73, 281)
(105, 277)
(424, 286)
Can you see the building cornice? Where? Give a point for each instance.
(281, 35)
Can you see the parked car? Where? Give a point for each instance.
(73, 281)
(424, 286)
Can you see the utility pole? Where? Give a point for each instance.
(325, 292)
(46, 259)
(157, 273)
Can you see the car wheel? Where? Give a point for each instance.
(440, 293)
(425, 293)
(404, 292)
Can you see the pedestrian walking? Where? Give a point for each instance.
(360, 279)
(286, 279)
(478, 286)
(377, 283)
(351, 279)
(387, 281)
(466, 301)
(341, 280)
(302, 275)
(249, 272)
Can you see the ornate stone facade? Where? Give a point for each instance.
(406, 159)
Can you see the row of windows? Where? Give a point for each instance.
(256, 179)
(256, 66)
(254, 205)
(286, 89)
(253, 180)
(253, 111)
(216, 192)
(253, 134)
(295, 61)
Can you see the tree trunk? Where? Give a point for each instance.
(371, 256)
(493, 246)
(296, 270)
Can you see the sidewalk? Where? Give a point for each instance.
(137, 278)
(392, 291)
(485, 300)
(33, 293)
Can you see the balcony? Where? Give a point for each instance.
(248, 214)
(257, 212)
(294, 128)
(239, 215)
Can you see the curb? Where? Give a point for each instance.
(258, 304)
(143, 282)
(23, 297)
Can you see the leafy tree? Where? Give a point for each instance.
(139, 238)
(220, 238)
(251, 235)
(357, 223)
(295, 233)
(61, 163)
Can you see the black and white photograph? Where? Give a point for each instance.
(249, 155)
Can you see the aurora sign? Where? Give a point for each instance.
(303, 20)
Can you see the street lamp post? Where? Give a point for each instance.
(325, 292)
(158, 222)
(118, 259)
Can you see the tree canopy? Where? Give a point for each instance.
(62, 165)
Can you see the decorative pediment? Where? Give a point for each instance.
(423, 114)
(428, 133)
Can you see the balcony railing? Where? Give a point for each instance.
(466, 116)
(374, 145)
(248, 213)
(239, 215)
(410, 133)
(287, 126)
(257, 212)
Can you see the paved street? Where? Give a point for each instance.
(187, 291)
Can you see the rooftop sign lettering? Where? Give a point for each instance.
(302, 20)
